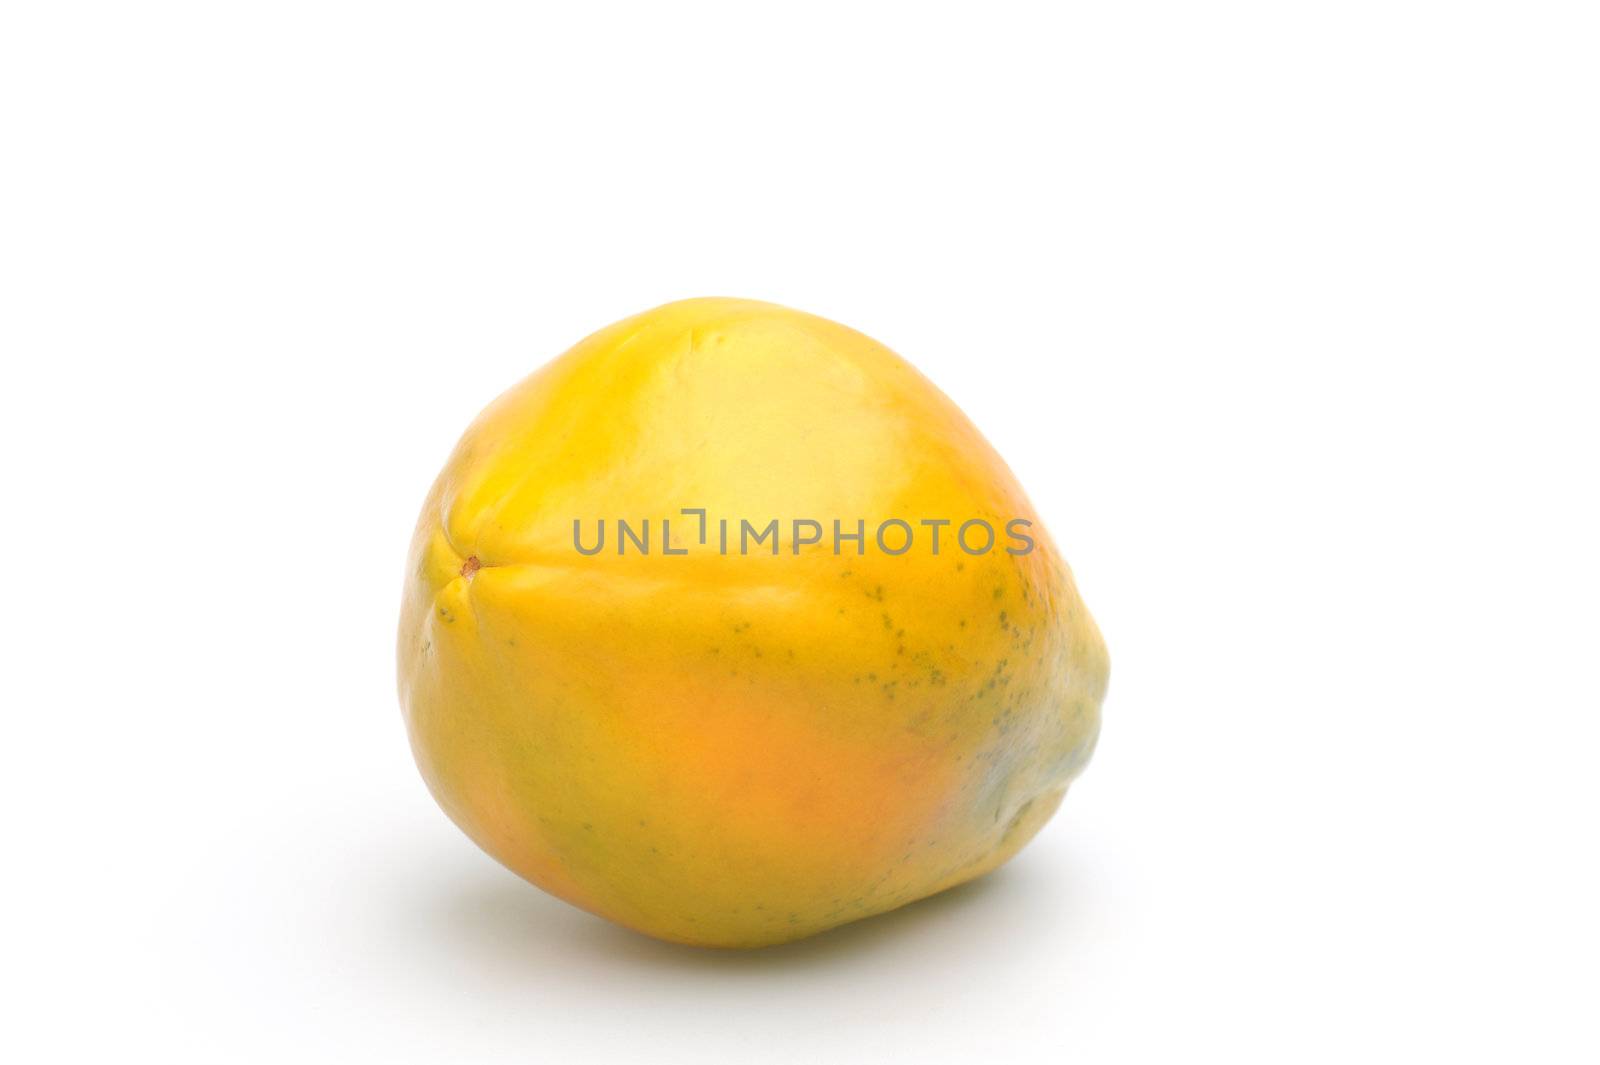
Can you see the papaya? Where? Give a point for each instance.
(728, 626)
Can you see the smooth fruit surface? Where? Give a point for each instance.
(739, 749)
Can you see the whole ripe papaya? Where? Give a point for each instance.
(702, 632)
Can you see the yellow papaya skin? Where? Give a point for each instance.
(737, 750)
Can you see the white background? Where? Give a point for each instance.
(1285, 314)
